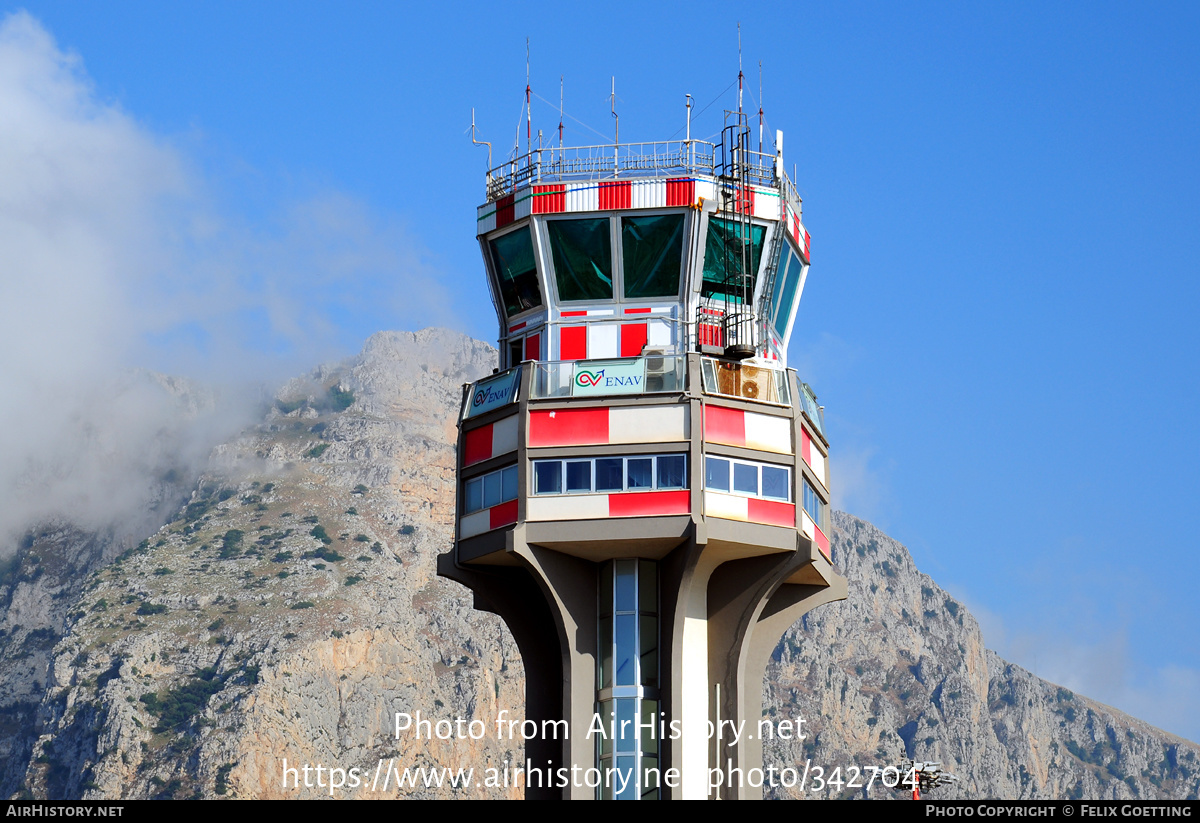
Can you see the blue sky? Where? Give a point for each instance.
(1001, 313)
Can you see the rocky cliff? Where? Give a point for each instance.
(289, 610)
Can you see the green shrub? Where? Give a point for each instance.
(317, 451)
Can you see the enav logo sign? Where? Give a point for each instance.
(609, 377)
(494, 392)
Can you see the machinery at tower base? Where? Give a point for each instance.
(643, 485)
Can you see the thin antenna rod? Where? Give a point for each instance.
(613, 104)
(739, 29)
(760, 107)
(560, 111)
(480, 142)
(528, 107)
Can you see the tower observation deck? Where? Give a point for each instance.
(643, 485)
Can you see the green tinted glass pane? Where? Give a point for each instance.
(727, 251)
(512, 255)
(582, 258)
(652, 252)
(786, 282)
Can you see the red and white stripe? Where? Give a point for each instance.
(749, 430)
(798, 233)
(808, 527)
(564, 198)
(490, 441)
(749, 509)
(599, 341)
(813, 457)
(603, 425)
(502, 514)
(600, 506)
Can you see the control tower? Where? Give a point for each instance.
(643, 485)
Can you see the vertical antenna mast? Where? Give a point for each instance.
(760, 107)
(612, 99)
(560, 111)
(528, 107)
(739, 29)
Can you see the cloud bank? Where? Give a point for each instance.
(117, 253)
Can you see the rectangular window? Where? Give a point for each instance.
(516, 271)
(582, 252)
(490, 489)
(748, 479)
(547, 478)
(716, 474)
(731, 258)
(817, 508)
(610, 474)
(651, 255)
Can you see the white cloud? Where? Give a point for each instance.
(115, 252)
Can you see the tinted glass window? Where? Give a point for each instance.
(609, 474)
(775, 483)
(547, 477)
(579, 476)
(716, 474)
(512, 256)
(582, 258)
(670, 471)
(640, 473)
(745, 478)
(474, 495)
(731, 258)
(652, 254)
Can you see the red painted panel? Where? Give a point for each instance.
(633, 338)
(722, 425)
(681, 192)
(710, 335)
(637, 311)
(504, 211)
(502, 514)
(518, 327)
(568, 427)
(633, 504)
(533, 347)
(572, 343)
(477, 445)
(745, 200)
(550, 199)
(805, 446)
(573, 313)
(822, 542)
(807, 247)
(771, 512)
(616, 195)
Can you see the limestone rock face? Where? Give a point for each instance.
(899, 670)
(288, 610)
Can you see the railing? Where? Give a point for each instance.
(555, 164)
(652, 374)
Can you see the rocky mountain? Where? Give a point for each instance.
(289, 609)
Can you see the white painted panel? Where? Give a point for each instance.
(602, 341)
(767, 433)
(648, 194)
(647, 424)
(583, 199)
(488, 223)
(818, 464)
(523, 205)
(806, 524)
(504, 436)
(567, 507)
(474, 524)
(658, 333)
(766, 204)
(706, 189)
(727, 506)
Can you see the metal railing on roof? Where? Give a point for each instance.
(557, 164)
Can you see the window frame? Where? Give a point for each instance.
(625, 487)
(731, 462)
(482, 481)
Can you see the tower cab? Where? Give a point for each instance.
(643, 487)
